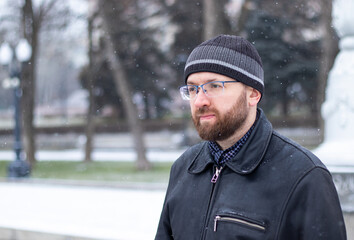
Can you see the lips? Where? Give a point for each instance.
(206, 117)
(205, 114)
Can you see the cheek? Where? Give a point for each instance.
(226, 105)
(191, 106)
(192, 109)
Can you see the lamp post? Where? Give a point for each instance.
(13, 60)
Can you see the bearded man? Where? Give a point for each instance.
(245, 181)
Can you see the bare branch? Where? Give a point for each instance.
(45, 8)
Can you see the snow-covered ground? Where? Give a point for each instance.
(98, 213)
(161, 146)
(84, 211)
(95, 211)
(98, 155)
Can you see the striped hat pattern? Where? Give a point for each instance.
(232, 56)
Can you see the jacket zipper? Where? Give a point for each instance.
(236, 220)
(213, 180)
(216, 175)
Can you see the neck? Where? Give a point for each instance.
(239, 133)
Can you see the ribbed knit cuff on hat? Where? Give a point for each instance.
(231, 56)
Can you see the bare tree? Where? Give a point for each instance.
(90, 124)
(246, 8)
(134, 123)
(124, 90)
(48, 15)
(122, 86)
(214, 19)
(329, 46)
(31, 26)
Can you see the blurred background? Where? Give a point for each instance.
(115, 66)
(89, 88)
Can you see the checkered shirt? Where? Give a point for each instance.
(220, 156)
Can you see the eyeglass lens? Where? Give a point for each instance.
(211, 89)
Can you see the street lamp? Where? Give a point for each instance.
(13, 60)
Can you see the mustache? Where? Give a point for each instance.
(205, 109)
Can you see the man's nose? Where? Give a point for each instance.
(201, 99)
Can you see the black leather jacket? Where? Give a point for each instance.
(272, 189)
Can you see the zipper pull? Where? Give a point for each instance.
(216, 175)
(216, 219)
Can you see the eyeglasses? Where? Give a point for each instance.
(210, 89)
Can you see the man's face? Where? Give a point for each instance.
(218, 118)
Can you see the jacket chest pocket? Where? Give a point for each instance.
(239, 220)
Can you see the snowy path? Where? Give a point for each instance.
(155, 155)
(98, 213)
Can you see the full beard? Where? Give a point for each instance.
(226, 125)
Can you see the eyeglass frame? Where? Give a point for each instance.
(204, 91)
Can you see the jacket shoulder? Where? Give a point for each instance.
(185, 160)
(291, 148)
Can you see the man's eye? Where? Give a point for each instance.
(215, 85)
(191, 89)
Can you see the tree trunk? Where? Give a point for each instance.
(31, 30)
(90, 124)
(122, 87)
(285, 102)
(133, 121)
(246, 8)
(27, 103)
(329, 52)
(213, 18)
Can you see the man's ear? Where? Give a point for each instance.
(254, 96)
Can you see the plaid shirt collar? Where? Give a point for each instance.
(220, 156)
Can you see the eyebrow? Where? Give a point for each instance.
(208, 80)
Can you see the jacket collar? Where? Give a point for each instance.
(250, 155)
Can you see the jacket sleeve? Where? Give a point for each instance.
(313, 210)
(164, 231)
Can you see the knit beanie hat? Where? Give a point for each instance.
(231, 56)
